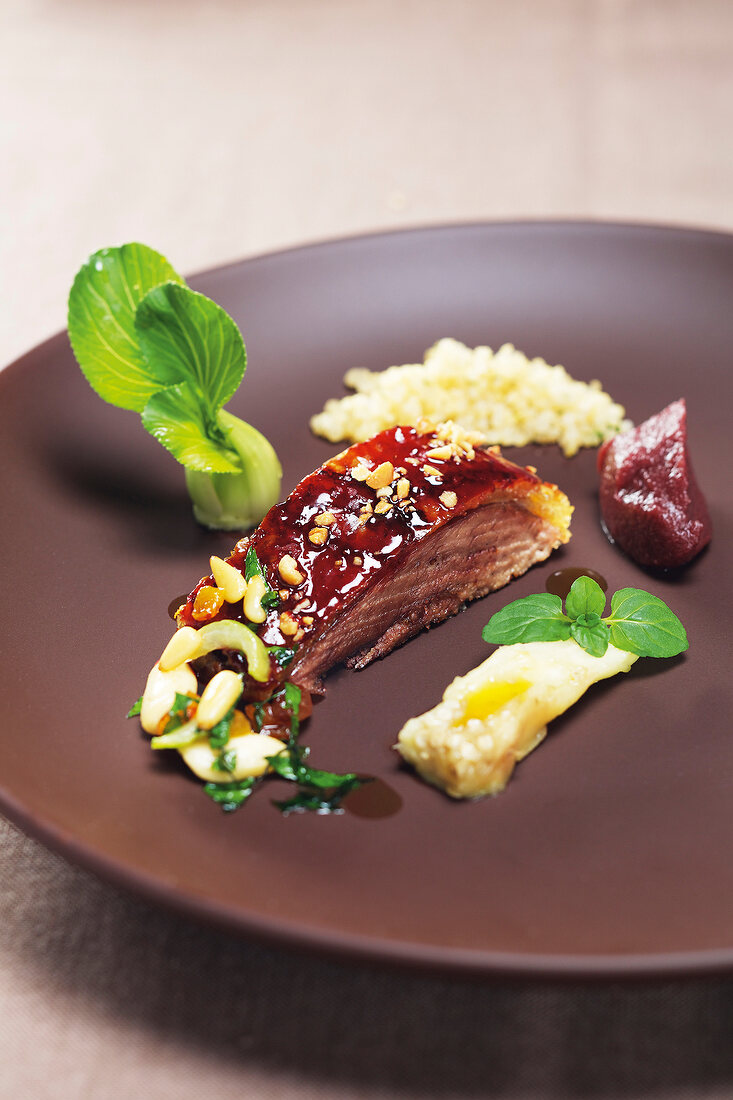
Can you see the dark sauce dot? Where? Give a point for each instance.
(175, 604)
(560, 582)
(374, 799)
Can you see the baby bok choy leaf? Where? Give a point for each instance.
(148, 343)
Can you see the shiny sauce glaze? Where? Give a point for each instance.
(357, 540)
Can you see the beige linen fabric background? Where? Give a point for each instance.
(215, 130)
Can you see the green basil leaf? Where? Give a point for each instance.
(585, 597)
(187, 337)
(537, 618)
(643, 624)
(101, 319)
(174, 416)
(590, 633)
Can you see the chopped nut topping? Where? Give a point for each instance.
(383, 507)
(413, 461)
(325, 519)
(448, 498)
(357, 559)
(307, 620)
(339, 563)
(298, 634)
(318, 535)
(380, 477)
(496, 449)
(532, 469)
(463, 438)
(360, 472)
(288, 625)
(364, 518)
(283, 593)
(440, 452)
(302, 604)
(385, 491)
(367, 507)
(403, 488)
(288, 570)
(400, 470)
(430, 471)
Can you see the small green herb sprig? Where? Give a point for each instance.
(639, 622)
(148, 343)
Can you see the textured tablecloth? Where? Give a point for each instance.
(222, 129)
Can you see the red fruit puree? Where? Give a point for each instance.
(650, 501)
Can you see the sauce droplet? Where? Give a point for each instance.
(175, 604)
(560, 582)
(375, 799)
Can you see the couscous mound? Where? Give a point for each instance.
(510, 399)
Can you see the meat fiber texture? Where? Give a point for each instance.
(651, 504)
(390, 536)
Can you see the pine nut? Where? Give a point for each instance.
(325, 519)
(403, 488)
(318, 535)
(382, 508)
(360, 472)
(160, 693)
(229, 579)
(448, 498)
(218, 698)
(180, 648)
(250, 751)
(252, 605)
(288, 570)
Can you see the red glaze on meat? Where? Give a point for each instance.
(650, 501)
(467, 523)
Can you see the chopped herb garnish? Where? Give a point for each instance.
(315, 801)
(219, 734)
(135, 709)
(283, 654)
(291, 766)
(230, 796)
(252, 568)
(225, 761)
(178, 712)
(639, 622)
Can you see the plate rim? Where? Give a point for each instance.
(295, 934)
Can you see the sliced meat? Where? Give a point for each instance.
(390, 536)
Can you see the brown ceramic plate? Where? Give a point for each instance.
(609, 853)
